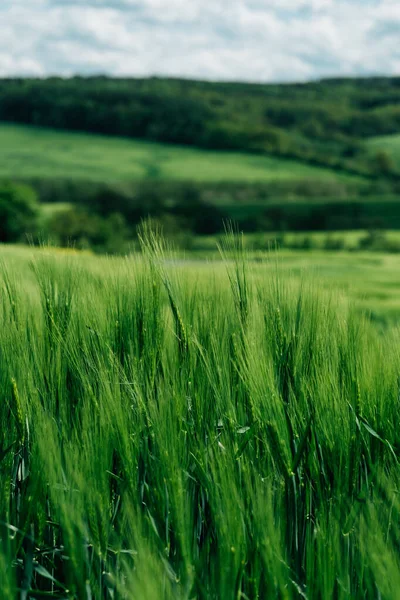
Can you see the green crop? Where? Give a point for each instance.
(175, 431)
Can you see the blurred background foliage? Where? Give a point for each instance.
(345, 129)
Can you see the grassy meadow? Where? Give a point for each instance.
(33, 152)
(223, 429)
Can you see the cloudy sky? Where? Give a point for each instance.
(250, 40)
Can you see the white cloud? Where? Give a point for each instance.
(260, 40)
(10, 65)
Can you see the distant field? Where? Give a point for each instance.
(371, 280)
(29, 152)
(388, 143)
(319, 240)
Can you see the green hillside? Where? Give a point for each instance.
(194, 155)
(321, 123)
(32, 152)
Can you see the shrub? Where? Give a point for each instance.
(19, 211)
(379, 242)
(334, 243)
(79, 228)
(382, 163)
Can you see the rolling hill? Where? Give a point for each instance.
(323, 123)
(194, 154)
(30, 152)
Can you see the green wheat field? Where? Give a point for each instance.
(214, 430)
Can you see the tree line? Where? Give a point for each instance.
(105, 217)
